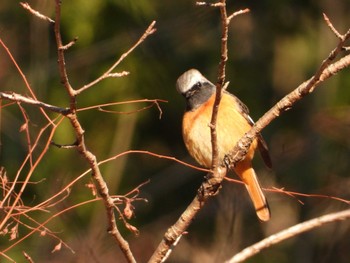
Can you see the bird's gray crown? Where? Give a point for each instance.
(189, 79)
(195, 88)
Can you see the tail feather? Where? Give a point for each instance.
(251, 182)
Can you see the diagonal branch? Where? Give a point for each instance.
(26, 6)
(325, 71)
(22, 99)
(150, 30)
(22, 76)
(289, 233)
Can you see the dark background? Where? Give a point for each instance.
(272, 50)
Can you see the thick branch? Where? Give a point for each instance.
(102, 188)
(174, 233)
(81, 146)
(286, 103)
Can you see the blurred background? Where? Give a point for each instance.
(272, 50)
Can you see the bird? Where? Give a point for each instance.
(233, 121)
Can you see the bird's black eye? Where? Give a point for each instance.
(198, 85)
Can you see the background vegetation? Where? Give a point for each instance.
(274, 48)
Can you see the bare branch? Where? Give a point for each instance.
(219, 85)
(7, 257)
(25, 127)
(22, 76)
(292, 193)
(210, 4)
(330, 25)
(325, 71)
(28, 176)
(27, 257)
(153, 102)
(61, 58)
(118, 74)
(237, 13)
(208, 189)
(45, 223)
(150, 30)
(70, 44)
(26, 6)
(30, 101)
(289, 233)
(155, 155)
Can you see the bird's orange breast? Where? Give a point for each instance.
(231, 126)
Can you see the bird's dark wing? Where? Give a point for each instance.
(262, 146)
(264, 151)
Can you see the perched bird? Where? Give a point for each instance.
(233, 122)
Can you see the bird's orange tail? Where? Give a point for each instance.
(248, 176)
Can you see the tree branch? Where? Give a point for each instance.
(325, 71)
(150, 30)
(26, 6)
(211, 185)
(22, 99)
(289, 233)
(61, 58)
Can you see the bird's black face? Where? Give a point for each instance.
(198, 94)
(195, 88)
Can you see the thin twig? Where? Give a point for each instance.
(22, 99)
(61, 58)
(237, 13)
(292, 193)
(7, 257)
(150, 30)
(25, 127)
(219, 84)
(70, 44)
(155, 155)
(26, 6)
(28, 176)
(22, 76)
(46, 222)
(210, 4)
(330, 25)
(27, 257)
(289, 233)
(154, 102)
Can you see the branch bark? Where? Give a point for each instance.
(325, 71)
(289, 233)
